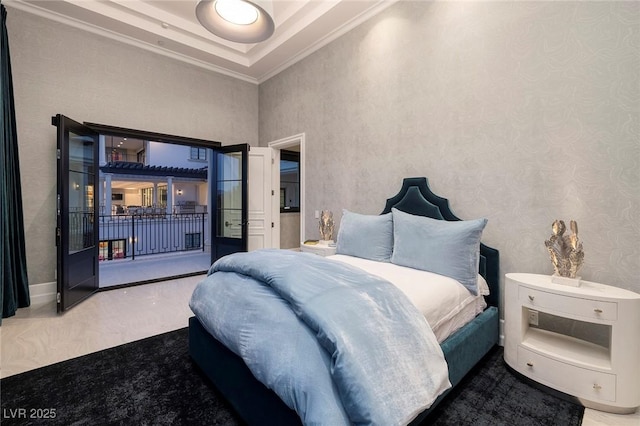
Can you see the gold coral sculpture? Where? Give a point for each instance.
(326, 225)
(565, 250)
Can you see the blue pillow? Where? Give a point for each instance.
(446, 248)
(366, 236)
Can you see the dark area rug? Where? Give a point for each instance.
(154, 382)
(492, 395)
(147, 382)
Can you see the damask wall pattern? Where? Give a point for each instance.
(520, 112)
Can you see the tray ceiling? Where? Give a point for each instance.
(170, 27)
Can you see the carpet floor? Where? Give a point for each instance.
(154, 382)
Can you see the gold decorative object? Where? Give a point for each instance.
(565, 250)
(326, 225)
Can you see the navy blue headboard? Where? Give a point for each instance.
(415, 197)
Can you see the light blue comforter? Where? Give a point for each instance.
(354, 350)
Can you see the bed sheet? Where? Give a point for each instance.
(446, 304)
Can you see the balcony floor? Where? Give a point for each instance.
(152, 267)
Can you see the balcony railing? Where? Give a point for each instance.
(133, 235)
(121, 156)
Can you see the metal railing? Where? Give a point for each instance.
(146, 234)
(124, 157)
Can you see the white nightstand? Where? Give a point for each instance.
(583, 341)
(321, 248)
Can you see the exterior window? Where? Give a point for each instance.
(147, 196)
(289, 181)
(162, 195)
(142, 157)
(192, 241)
(198, 153)
(112, 249)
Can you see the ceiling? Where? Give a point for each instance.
(127, 144)
(170, 27)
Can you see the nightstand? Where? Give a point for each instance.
(583, 341)
(321, 248)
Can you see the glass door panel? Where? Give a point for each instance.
(230, 233)
(77, 227)
(81, 193)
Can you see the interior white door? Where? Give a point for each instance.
(260, 196)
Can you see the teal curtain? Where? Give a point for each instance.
(14, 292)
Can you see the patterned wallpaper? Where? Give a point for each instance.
(60, 69)
(520, 112)
(289, 230)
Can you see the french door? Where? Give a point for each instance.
(77, 230)
(229, 200)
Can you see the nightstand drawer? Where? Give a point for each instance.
(581, 382)
(587, 308)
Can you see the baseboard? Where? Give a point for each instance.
(501, 339)
(42, 294)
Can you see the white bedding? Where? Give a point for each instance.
(446, 304)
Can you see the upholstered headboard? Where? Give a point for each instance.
(415, 197)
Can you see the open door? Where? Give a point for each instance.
(229, 200)
(260, 198)
(77, 231)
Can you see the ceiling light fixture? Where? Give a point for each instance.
(236, 12)
(242, 21)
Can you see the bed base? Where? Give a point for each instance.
(258, 405)
(465, 348)
(253, 401)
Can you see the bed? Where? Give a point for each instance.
(462, 346)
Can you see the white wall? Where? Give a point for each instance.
(132, 197)
(170, 155)
(290, 230)
(190, 192)
(521, 112)
(60, 69)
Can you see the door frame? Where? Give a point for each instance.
(105, 129)
(278, 145)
